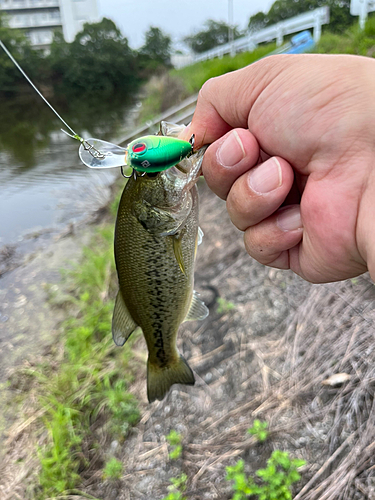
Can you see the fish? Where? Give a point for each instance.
(156, 239)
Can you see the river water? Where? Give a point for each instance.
(56, 190)
(43, 184)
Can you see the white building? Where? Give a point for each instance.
(40, 18)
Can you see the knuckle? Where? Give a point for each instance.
(260, 248)
(208, 88)
(238, 200)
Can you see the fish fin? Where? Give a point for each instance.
(177, 248)
(161, 222)
(160, 380)
(200, 235)
(198, 310)
(198, 240)
(123, 324)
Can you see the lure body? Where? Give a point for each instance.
(155, 153)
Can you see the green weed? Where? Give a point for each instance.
(259, 430)
(90, 384)
(177, 488)
(224, 306)
(112, 469)
(175, 440)
(353, 41)
(194, 76)
(275, 481)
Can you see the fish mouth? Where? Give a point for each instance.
(151, 175)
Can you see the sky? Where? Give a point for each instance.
(174, 17)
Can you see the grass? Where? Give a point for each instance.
(175, 441)
(177, 488)
(195, 75)
(224, 306)
(89, 387)
(83, 393)
(274, 482)
(113, 469)
(259, 430)
(353, 41)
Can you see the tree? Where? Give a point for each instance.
(97, 64)
(340, 18)
(257, 22)
(214, 34)
(19, 46)
(157, 47)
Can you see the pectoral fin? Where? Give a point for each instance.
(160, 222)
(122, 323)
(198, 310)
(177, 248)
(200, 235)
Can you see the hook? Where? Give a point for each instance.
(134, 173)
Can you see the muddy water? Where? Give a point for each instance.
(38, 203)
(55, 190)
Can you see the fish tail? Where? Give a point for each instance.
(160, 380)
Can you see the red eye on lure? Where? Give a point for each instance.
(146, 154)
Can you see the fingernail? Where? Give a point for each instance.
(231, 151)
(290, 219)
(266, 177)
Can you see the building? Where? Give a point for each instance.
(40, 18)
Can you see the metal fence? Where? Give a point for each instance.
(313, 19)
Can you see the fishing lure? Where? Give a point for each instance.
(152, 153)
(146, 154)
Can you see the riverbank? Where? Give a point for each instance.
(269, 343)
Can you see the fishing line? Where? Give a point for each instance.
(37, 91)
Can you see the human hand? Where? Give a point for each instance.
(292, 152)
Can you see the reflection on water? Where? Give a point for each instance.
(43, 183)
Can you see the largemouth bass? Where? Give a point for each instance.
(156, 238)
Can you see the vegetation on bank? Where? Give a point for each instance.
(83, 394)
(177, 84)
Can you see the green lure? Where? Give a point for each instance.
(155, 153)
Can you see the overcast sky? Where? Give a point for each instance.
(175, 17)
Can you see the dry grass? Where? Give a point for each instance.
(266, 359)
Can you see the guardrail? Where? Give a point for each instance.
(312, 19)
(182, 113)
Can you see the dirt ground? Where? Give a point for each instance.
(266, 359)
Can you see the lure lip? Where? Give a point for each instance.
(95, 153)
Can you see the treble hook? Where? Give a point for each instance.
(134, 173)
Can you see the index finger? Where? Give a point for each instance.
(224, 102)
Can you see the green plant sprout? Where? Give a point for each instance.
(112, 469)
(177, 488)
(276, 479)
(259, 430)
(224, 306)
(175, 440)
